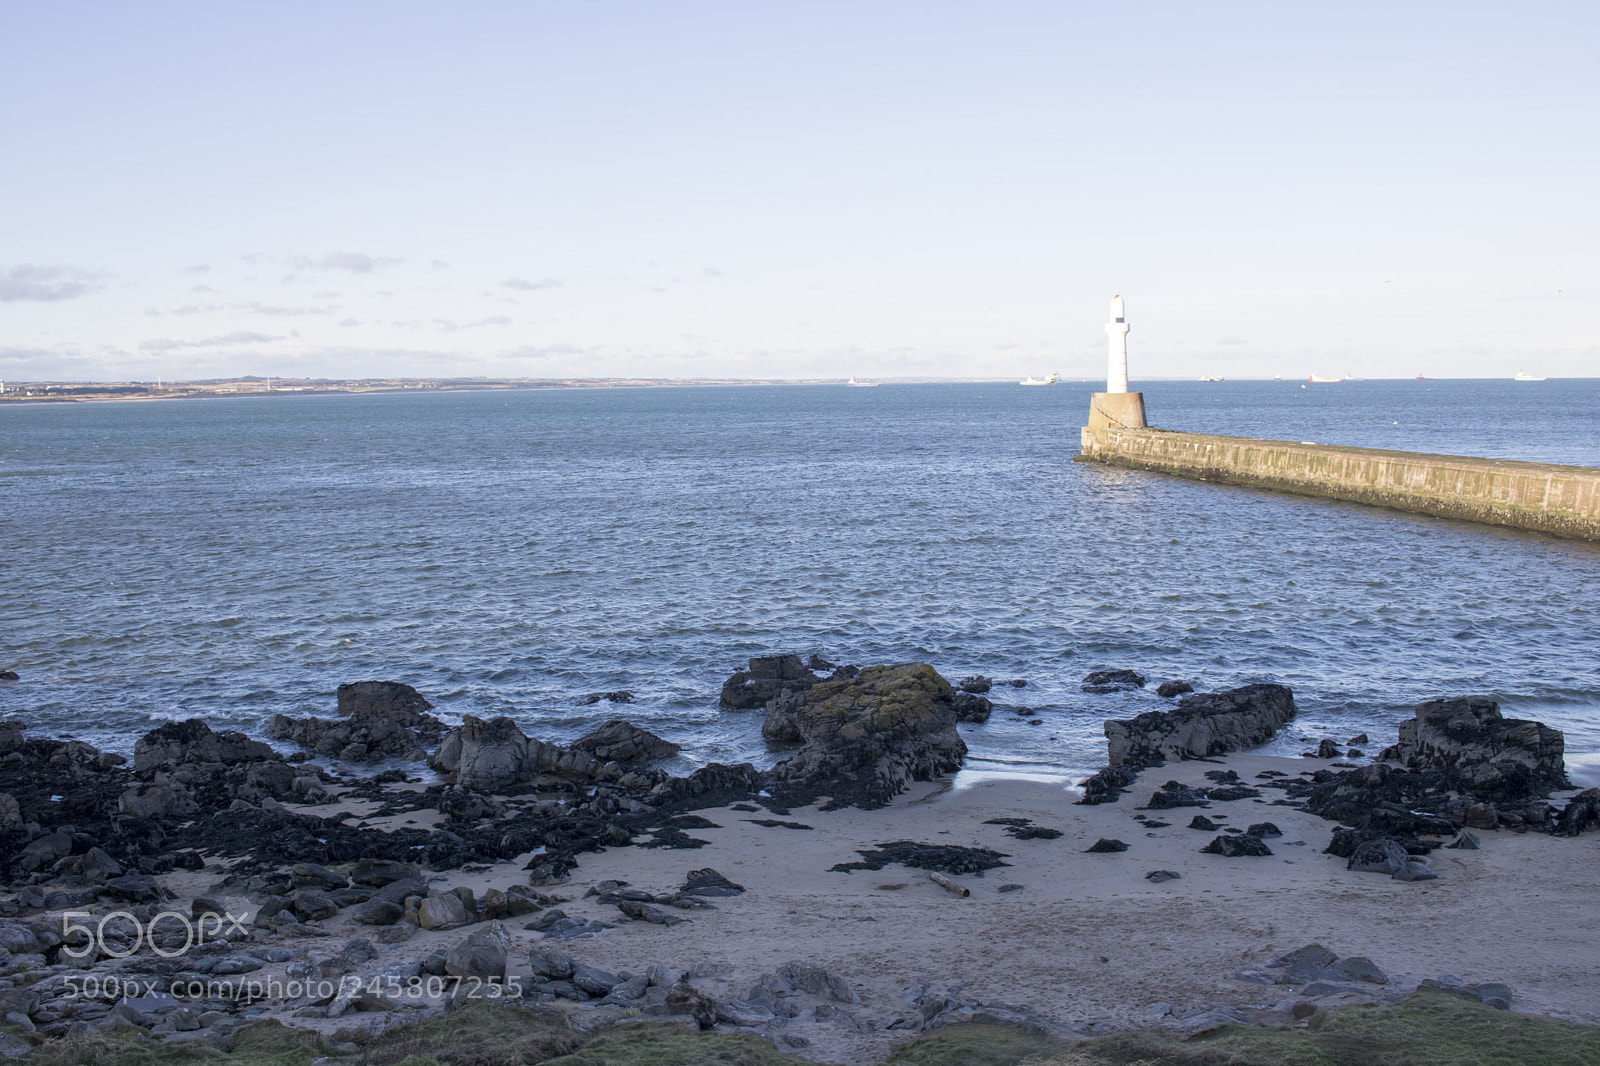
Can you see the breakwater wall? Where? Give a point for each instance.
(1560, 500)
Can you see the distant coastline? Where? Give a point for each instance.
(35, 392)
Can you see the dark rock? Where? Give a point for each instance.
(1168, 689)
(597, 983)
(610, 697)
(1234, 847)
(1106, 845)
(1229, 793)
(135, 888)
(1362, 969)
(1158, 876)
(1359, 738)
(1108, 784)
(1112, 680)
(492, 755)
(970, 708)
(380, 872)
(708, 882)
(624, 743)
(550, 965)
(1328, 749)
(10, 675)
(1581, 812)
(773, 823)
(643, 912)
(312, 906)
(977, 684)
(1310, 955)
(175, 743)
(682, 999)
(1264, 829)
(1482, 753)
(1200, 821)
(946, 858)
(767, 678)
(1381, 856)
(868, 738)
(378, 912)
(1202, 724)
(481, 955)
(1173, 795)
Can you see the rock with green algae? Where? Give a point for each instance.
(865, 739)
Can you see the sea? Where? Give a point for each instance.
(513, 552)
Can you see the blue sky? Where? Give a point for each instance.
(797, 189)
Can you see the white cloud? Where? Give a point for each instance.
(238, 336)
(45, 283)
(524, 285)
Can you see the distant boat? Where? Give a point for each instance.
(1031, 380)
(1211, 379)
(1421, 378)
(1323, 381)
(1523, 375)
(862, 384)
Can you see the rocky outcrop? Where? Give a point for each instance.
(1212, 723)
(865, 739)
(378, 720)
(625, 744)
(495, 754)
(193, 741)
(1480, 752)
(1464, 766)
(769, 676)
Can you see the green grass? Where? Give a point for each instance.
(974, 1045)
(1429, 1029)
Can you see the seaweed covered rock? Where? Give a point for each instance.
(1210, 723)
(867, 738)
(625, 743)
(1479, 751)
(378, 720)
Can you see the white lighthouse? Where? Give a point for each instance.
(1117, 330)
(1116, 408)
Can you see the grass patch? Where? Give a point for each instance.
(477, 1035)
(1429, 1029)
(974, 1045)
(677, 1045)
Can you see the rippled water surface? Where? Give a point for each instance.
(509, 552)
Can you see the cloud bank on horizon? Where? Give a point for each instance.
(796, 190)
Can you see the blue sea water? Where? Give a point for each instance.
(509, 552)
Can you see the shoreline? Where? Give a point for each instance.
(828, 929)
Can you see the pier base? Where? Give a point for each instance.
(1116, 410)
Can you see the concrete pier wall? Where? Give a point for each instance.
(1560, 500)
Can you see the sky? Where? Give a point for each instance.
(807, 189)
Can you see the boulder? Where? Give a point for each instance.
(1174, 795)
(378, 720)
(1112, 681)
(1383, 856)
(378, 912)
(444, 911)
(380, 872)
(621, 742)
(867, 738)
(768, 676)
(1582, 811)
(482, 954)
(549, 964)
(971, 708)
(1481, 752)
(10, 811)
(176, 743)
(1169, 689)
(1236, 846)
(495, 754)
(1203, 724)
(976, 684)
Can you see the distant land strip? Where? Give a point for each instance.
(1562, 501)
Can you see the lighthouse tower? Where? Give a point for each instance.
(1117, 330)
(1117, 407)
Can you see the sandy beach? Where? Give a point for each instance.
(1087, 942)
